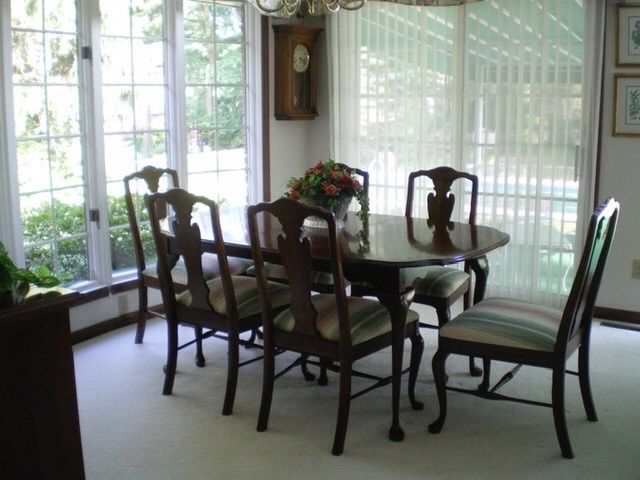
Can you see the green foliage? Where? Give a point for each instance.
(15, 282)
(328, 185)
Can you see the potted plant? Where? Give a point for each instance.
(15, 282)
(329, 186)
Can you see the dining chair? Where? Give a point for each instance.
(149, 180)
(321, 282)
(334, 327)
(441, 286)
(532, 334)
(227, 303)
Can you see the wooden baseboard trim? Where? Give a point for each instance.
(622, 316)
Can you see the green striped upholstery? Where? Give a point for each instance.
(246, 292)
(506, 322)
(278, 272)
(434, 281)
(369, 318)
(210, 268)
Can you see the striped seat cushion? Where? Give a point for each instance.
(246, 292)
(506, 322)
(369, 318)
(434, 281)
(210, 268)
(278, 272)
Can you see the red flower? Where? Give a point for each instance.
(294, 194)
(330, 189)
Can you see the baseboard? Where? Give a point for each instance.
(108, 326)
(622, 316)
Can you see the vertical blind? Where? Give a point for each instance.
(503, 89)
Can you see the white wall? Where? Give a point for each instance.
(619, 177)
(298, 144)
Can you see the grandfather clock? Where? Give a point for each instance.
(296, 72)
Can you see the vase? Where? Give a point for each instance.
(340, 212)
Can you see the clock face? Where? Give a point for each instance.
(300, 58)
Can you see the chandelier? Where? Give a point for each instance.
(289, 8)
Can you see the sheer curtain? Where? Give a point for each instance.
(505, 89)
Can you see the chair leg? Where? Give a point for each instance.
(486, 379)
(585, 382)
(559, 418)
(343, 409)
(323, 380)
(308, 376)
(268, 372)
(438, 366)
(172, 356)
(142, 314)
(417, 348)
(200, 361)
(233, 361)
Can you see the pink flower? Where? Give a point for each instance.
(330, 189)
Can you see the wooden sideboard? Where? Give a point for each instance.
(39, 424)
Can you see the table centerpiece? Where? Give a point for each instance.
(331, 186)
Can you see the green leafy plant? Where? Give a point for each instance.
(328, 185)
(15, 282)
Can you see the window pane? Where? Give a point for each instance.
(61, 58)
(134, 96)
(215, 98)
(26, 14)
(27, 57)
(50, 166)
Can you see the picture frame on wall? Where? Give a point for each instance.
(628, 41)
(626, 121)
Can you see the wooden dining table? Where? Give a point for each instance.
(375, 252)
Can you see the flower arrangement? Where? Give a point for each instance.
(327, 185)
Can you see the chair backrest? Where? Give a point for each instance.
(361, 173)
(182, 238)
(151, 177)
(441, 201)
(578, 311)
(295, 247)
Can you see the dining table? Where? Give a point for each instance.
(374, 251)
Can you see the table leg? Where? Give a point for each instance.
(398, 308)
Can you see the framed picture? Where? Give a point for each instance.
(628, 45)
(626, 121)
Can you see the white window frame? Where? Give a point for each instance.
(89, 72)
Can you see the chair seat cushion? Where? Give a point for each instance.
(368, 318)
(506, 322)
(210, 268)
(246, 292)
(278, 272)
(434, 281)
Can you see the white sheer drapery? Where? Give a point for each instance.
(505, 89)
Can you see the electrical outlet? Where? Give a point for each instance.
(635, 269)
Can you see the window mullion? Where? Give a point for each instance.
(93, 144)
(175, 75)
(10, 227)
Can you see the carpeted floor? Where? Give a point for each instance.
(131, 431)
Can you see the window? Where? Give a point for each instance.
(499, 88)
(98, 89)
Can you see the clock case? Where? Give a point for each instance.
(295, 93)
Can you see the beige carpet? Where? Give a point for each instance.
(131, 431)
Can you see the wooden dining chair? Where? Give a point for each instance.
(321, 282)
(440, 286)
(149, 180)
(526, 333)
(335, 327)
(228, 303)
